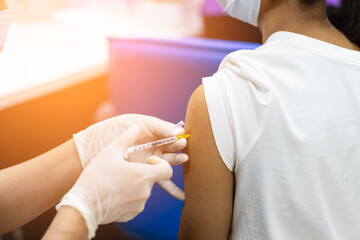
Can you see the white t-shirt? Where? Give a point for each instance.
(286, 121)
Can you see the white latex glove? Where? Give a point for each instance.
(92, 140)
(111, 189)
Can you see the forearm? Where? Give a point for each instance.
(30, 188)
(67, 224)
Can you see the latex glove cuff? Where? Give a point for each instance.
(76, 203)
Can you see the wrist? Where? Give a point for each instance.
(67, 224)
(79, 146)
(77, 199)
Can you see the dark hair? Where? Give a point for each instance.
(345, 17)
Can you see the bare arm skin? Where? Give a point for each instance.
(32, 187)
(67, 224)
(208, 182)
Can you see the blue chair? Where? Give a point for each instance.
(156, 77)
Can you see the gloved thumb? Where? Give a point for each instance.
(127, 138)
(159, 168)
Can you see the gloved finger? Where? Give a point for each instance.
(163, 129)
(127, 138)
(166, 183)
(172, 189)
(159, 168)
(175, 158)
(175, 147)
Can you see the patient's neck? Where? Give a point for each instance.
(312, 23)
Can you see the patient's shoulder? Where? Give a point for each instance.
(205, 177)
(198, 121)
(201, 145)
(197, 103)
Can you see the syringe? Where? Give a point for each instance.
(157, 143)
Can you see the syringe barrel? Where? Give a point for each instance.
(149, 145)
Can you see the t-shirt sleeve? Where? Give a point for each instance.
(236, 99)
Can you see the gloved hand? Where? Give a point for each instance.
(111, 189)
(92, 140)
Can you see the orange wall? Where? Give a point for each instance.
(34, 127)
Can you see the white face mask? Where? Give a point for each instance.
(244, 10)
(5, 18)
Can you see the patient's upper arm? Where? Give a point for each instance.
(208, 182)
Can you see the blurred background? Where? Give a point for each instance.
(70, 63)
